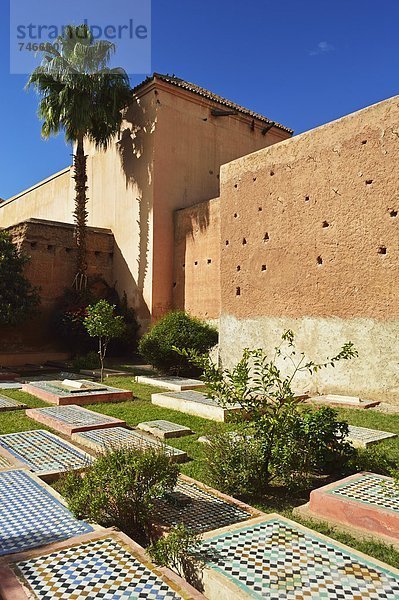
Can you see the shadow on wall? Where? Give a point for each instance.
(135, 149)
(140, 307)
(188, 222)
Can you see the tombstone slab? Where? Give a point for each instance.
(7, 404)
(365, 502)
(104, 564)
(274, 557)
(10, 385)
(345, 401)
(195, 403)
(362, 437)
(105, 439)
(32, 514)
(43, 453)
(72, 418)
(63, 393)
(200, 508)
(164, 429)
(96, 373)
(177, 384)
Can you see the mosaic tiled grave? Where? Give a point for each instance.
(5, 464)
(164, 429)
(195, 403)
(71, 419)
(59, 376)
(10, 385)
(104, 439)
(349, 401)
(75, 392)
(10, 404)
(198, 509)
(42, 452)
(176, 384)
(31, 515)
(107, 373)
(362, 437)
(276, 558)
(110, 567)
(364, 502)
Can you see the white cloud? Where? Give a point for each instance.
(322, 48)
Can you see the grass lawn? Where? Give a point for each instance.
(141, 409)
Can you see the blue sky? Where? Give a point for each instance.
(302, 63)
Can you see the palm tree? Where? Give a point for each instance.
(83, 97)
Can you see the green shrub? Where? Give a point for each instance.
(176, 330)
(295, 445)
(119, 489)
(308, 443)
(179, 551)
(235, 463)
(86, 361)
(375, 459)
(19, 300)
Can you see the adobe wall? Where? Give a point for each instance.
(196, 279)
(119, 198)
(127, 194)
(52, 268)
(190, 147)
(310, 241)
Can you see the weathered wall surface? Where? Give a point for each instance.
(310, 240)
(190, 147)
(52, 268)
(168, 156)
(196, 279)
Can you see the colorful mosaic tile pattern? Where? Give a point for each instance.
(197, 509)
(74, 415)
(98, 569)
(365, 436)
(10, 404)
(4, 463)
(119, 436)
(276, 560)
(10, 385)
(58, 389)
(43, 452)
(370, 489)
(30, 516)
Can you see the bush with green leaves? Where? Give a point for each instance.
(119, 489)
(176, 330)
(180, 551)
(292, 441)
(19, 300)
(102, 322)
(234, 463)
(85, 361)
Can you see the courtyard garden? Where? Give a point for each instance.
(275, 498)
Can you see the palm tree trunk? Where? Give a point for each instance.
(80, 213)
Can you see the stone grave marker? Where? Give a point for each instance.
(164, 429)
(72, 418)
(104, 439)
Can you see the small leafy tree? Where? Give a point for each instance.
(18, 298)
(180, 551)
(119, 489)
(265, 394)
(102, 323)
